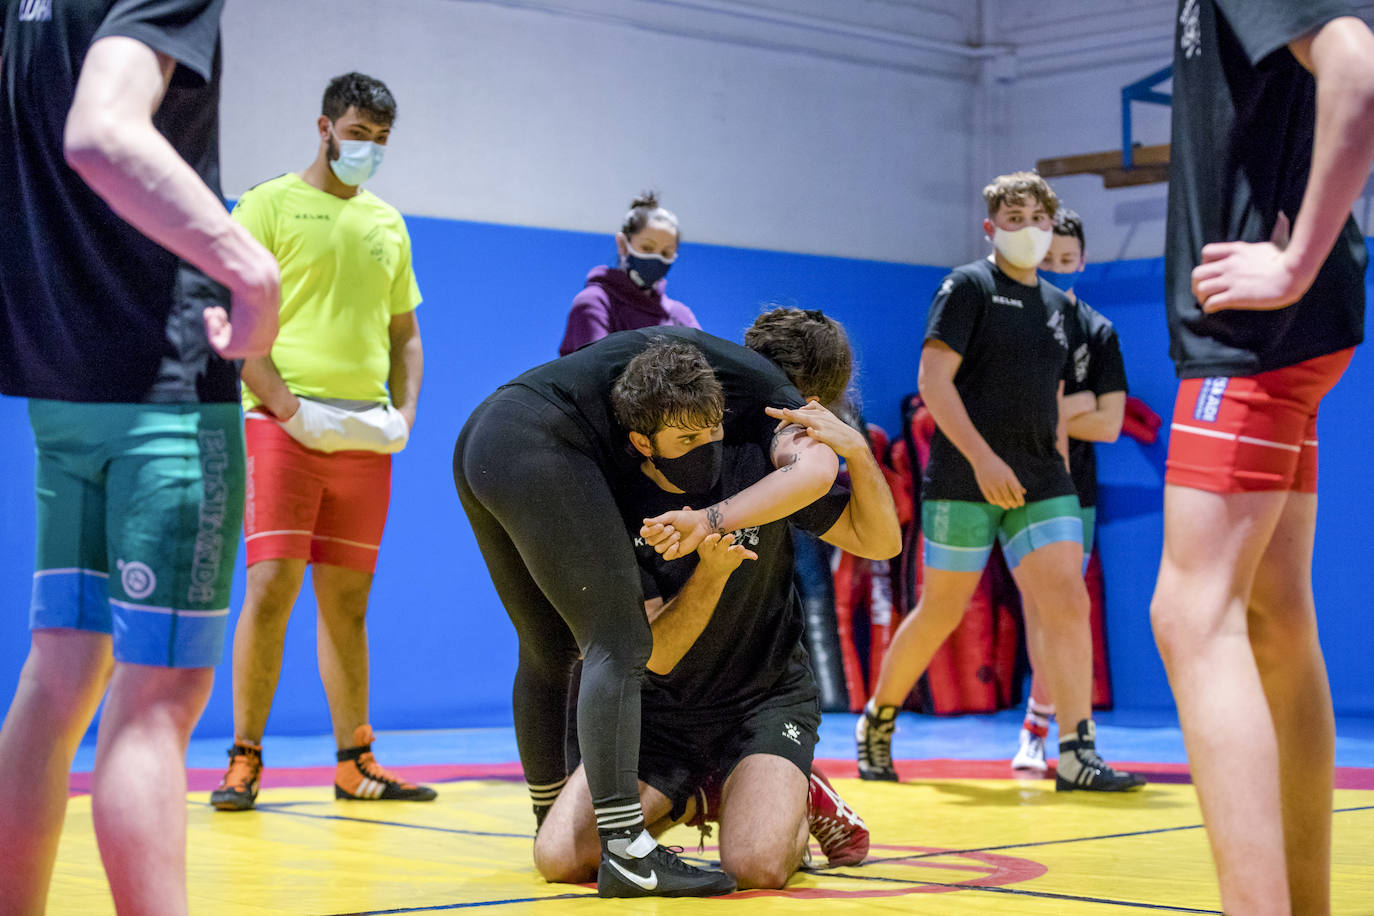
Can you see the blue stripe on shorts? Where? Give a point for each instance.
(1040, 534)
(955, 559)
(74, 599)
(146, 635)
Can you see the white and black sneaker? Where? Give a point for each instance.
(1030, 752)
(1080, 769)
(650, 870)
(873, 742)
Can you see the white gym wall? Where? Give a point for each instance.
(861, 128)
(833, 128)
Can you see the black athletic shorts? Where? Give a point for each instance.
(677, 755)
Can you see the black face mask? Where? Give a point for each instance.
(695, 472)
(645, 272)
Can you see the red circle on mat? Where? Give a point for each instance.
(992, 870)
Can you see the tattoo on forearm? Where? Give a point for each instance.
(715, 517)
(792, 462)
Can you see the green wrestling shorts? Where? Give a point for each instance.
(139, 512)
(959, 534)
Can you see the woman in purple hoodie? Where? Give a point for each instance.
(630, 295)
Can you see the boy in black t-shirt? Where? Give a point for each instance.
(116, 328)
(993, 367)
(1273, 103)
(1095, 405)
(730, 695)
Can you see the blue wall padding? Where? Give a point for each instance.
(496, 297)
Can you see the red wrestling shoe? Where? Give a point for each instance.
(840, 831)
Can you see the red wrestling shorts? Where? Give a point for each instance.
(1252, 432)
(310, 505)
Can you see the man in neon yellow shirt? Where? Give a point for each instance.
(323, 414)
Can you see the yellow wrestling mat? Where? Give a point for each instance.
(940, 846)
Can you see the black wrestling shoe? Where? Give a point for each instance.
(659, 874)
(873, 742)
(1080, 769)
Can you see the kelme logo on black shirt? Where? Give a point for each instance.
(1190, 37)
(1056, 324)
(1005, 300)
(1082, 358)
(35, 10)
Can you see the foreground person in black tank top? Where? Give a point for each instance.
(1273, 136)
(119, 267)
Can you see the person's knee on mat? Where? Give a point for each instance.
(558, 860)
(757, 869)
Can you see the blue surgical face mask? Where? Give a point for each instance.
(644, 268)
(1061, 282)
(358, 160)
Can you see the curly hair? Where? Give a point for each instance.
(670, 383)
(1017, 189)
(810, 347)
